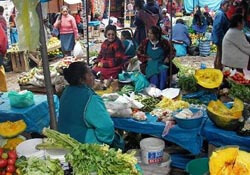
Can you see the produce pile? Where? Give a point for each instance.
(229, 160)
(90, 158)
(53, 42)
(10, 129)
(36, 166)
(7, 162)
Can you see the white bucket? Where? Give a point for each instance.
(152, 150)
(28, 149)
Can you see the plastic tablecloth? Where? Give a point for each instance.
(36, 116)
(220, 137)
(189, 139)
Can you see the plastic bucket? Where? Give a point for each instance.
(28, 149)
(204, 48)
(198, 166)
(152, 150)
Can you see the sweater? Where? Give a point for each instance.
(67, 25)
(235, 49)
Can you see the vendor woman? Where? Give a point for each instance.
(112, 57)
(82, 113)
(235, 47)
(154, 52)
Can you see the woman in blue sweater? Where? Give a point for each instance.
(82, 113)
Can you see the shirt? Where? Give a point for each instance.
(180, 33)
(67, 25)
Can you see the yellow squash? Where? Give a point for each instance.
(229, 161)
(209, 78)
(224, 117)
(10, 129)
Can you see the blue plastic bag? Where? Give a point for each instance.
(140, 81)
(21, 100)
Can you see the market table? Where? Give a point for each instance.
(220, 137)
(36, 116)
(189, 139)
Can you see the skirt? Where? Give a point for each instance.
(67, 41)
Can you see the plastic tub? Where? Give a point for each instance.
(198, 167)
(189, 123)
(28, 149)
(152, 150)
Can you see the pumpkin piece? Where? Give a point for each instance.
(237, 108)
(221, 160)
(10, 129)
(209, 78)
(242, 164)
(12, 143)
(224, 117)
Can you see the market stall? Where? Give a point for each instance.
(36, 116)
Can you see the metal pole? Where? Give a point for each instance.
(193, 5)
(85, 5)
(125, 12)
(170, 40)
(46, 71)
(109, 11)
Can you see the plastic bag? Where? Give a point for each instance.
(153, 91)
(27, 24)
(21, 99)
(3, 85)
(139, 81)
(78, 51)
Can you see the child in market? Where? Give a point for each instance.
(165, 22)
(129, 44)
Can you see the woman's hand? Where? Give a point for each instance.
(100, 64)
(166, 60)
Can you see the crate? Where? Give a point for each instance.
(19, 61)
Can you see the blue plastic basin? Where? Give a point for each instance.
(189, 123)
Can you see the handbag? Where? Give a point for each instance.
(55, 32)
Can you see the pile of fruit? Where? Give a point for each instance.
(25, 78)
(237, 77)
(55, 52)
(14, 49)
(7, 162)
(53, 42)
(213, 48)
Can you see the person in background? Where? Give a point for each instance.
(220, 27)
(3, 50)
(235, 47)
(181, 38)
(13, 29)
(129, 44)
(78, 18)
(3, 22)
(111, 58)
(82, 112)
(199, 22)
(140, 31)
(66, 24)
(153, 7)
(173, 8)
(165, 22)
(154, 52)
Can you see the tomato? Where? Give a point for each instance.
(8, 173)
(3, 163)
(4, 156)
(12, 154)
(3, 173)
(11, 161)
(11, 168)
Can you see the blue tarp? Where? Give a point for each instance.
(189, 139)
(212, 4)
(36, 117)
(220, 137)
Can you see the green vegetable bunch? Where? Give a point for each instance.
(188, 83)
(240, 91)
(90, 158)
(148, 102)
(36, 166)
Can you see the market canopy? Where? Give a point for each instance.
(212, 4)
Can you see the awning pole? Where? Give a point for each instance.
(109, 11)
(46, 71)
(170, 39)
(86, 34)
